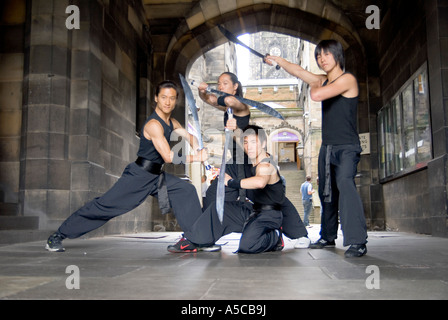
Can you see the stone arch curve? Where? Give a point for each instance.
(310, 20)
(273, 146)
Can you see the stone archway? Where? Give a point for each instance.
(310, 20)
(275, 145)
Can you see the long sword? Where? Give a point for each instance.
(220, 191)
(194, 111)
(260, 106)
(230, 36)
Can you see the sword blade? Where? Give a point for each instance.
(256, 104)
(231, 37)
(193, 108)
(194, 111)
(262, 107)
(220, 191)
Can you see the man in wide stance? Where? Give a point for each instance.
(143, 177)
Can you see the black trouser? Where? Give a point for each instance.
(292, 225)
(345, 199)
(133, 187)
(258, 230)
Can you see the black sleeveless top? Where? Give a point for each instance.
(271, 194)
(241, 122)
(147, 149)
(339, 120)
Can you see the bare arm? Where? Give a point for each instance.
(192, 140)
(211, 99)
(154, 131)
(231, 102)
(346, 86)
(199, 155)
(266, 174)
(296, 70)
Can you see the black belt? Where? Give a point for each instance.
(162, 191)
(266, 207)
(258, 208)
(327, 186)
(150, 166)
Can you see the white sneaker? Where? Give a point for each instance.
(302, 243)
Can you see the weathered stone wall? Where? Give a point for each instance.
(85, 91)
(417, 202)
(12, 24)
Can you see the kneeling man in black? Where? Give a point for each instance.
(259, 224)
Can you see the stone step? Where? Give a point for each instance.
(19, 223)
(9, 209)
(21, 236)
(294, 179)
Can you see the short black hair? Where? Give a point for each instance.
(167, 84)
(258, 131)
(335, 48)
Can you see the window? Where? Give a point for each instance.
(404, 132)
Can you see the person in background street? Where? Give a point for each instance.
(340, 151)
(306, 189)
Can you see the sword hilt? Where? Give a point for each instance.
(230, 114)
(275, 64)
(209, 89)
(206, 164)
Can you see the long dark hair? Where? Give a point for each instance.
(234, 79)
(335, 48)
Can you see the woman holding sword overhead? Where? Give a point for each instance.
(228, 82)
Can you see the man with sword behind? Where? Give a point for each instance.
(239, 167)
(259, 224)
(144, 177)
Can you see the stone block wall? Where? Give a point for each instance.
(84, 92)
(407, 40)
(11, 84)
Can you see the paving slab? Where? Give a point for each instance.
(138, 267)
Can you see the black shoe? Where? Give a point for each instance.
(356, 250)
(182, 246)
(54, 243)
(322, 243)
(280, 243)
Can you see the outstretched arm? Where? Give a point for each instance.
(230, 102)
(211, 99)
(296, 70)
(346, 85)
